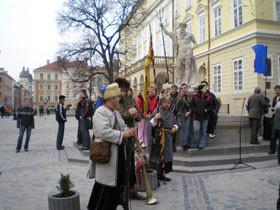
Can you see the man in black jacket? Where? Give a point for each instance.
(25, 121)
(78, 117)
(86, 115)
(61, 119)
(213, 114)
(276, 97)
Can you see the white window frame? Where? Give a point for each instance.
(188, 4)
(56, 76)
(202, 31)
(41, 87)
(67, 96)
(49, 76)
(49, 98)
(49, 87)
(56, 98)
(219, 20)
(177, 9)
(242, 70)
(238, 15)
(41, 98)
(277, 18)
(41, 76)
(55, 87)
(189, 26)
(215, 77)
(269, 77)
(67, 85)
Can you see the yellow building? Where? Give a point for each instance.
(225, 30)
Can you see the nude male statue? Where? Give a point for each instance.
(186, 67)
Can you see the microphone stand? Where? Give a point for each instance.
(241, 162)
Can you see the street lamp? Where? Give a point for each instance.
(15, 116)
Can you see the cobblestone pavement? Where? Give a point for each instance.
(28, 177)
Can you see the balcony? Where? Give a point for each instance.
(160, 62)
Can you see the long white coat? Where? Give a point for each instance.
(103, 123)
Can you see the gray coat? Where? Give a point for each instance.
(256, 104)
(277, 117)
(103, 123)
(168, 147)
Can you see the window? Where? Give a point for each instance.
(202, 35)
(177, 10)
(166, 16)
(237, 10)
(269, 68)
(67, 85)
(218, 21)
(0, 79)
(41, 98)
(49, 87)
(74, 85)
(55, 87)
(277, 10)
(49, 98)
(41, 76)
(56, 76)
(41, 87)
(188, 4)
(49, 76)
(217, 78)
(238, 74)
(189, 27)
(55, 98)
(67, 95)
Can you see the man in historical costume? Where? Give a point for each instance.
(130, 114)
(109, 177)
(164, 125)
(186, 66)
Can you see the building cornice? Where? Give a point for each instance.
(252, 34)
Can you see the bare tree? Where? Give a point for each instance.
(99, 24)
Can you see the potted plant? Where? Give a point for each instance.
(66, 199)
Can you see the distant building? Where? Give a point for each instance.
(26, 80)
(6, 88)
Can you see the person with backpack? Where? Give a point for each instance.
(61, 119)
(201, 105)
(86, 118)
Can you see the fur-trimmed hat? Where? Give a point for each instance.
(123, 83)
(166, 98)
(111, 91)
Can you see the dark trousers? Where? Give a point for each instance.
(212, 122)
(273, 141)
(60, 134)
(85, 133)
(21, 133)
(79, 133)
(254, 124)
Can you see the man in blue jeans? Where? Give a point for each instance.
(61, 119)
(25, 121)
(183, 109)
(201, 106)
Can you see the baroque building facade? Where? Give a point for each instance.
(225, 30)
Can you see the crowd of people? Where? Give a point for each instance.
(5, 111)
(115, 117)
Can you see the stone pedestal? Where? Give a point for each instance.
(227, 131)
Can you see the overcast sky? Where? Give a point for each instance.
(28, 34)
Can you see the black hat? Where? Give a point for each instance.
(200, 87)
(61, 97)
(123, 83)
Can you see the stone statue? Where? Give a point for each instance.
(186, 66)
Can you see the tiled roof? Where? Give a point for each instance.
(57, 65)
